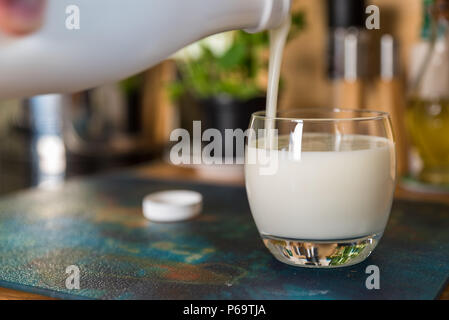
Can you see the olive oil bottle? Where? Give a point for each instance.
(427, 115)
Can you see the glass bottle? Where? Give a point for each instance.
(428, 105)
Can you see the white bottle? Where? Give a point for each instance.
(118, 38)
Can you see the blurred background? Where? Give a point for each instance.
(331, 60)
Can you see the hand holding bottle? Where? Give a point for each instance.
(20, 17)
(85, 43)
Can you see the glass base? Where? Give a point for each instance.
(321, 254)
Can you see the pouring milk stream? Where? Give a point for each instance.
(278, 38)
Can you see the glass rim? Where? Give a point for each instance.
(360, 115)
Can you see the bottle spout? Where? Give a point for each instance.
(274, 13)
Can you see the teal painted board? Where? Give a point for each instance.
(97, 225)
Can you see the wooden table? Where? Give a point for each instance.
(165, 171)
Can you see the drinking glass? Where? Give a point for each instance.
(320, 183)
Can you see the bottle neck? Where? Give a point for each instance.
(433, 79)
(432, 82)
(426, 28)
(440, 9)
(251, 15)
(439, 13)
(273, 15)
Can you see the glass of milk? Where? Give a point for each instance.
(320, 183)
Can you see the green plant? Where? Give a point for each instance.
(233, 72)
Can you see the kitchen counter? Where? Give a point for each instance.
(164, 171)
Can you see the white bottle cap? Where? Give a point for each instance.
(172, 206)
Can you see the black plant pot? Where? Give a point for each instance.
(223, 113)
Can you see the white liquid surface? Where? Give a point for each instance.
(325, 195)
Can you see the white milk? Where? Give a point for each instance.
(278, 37)
(323, 195)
